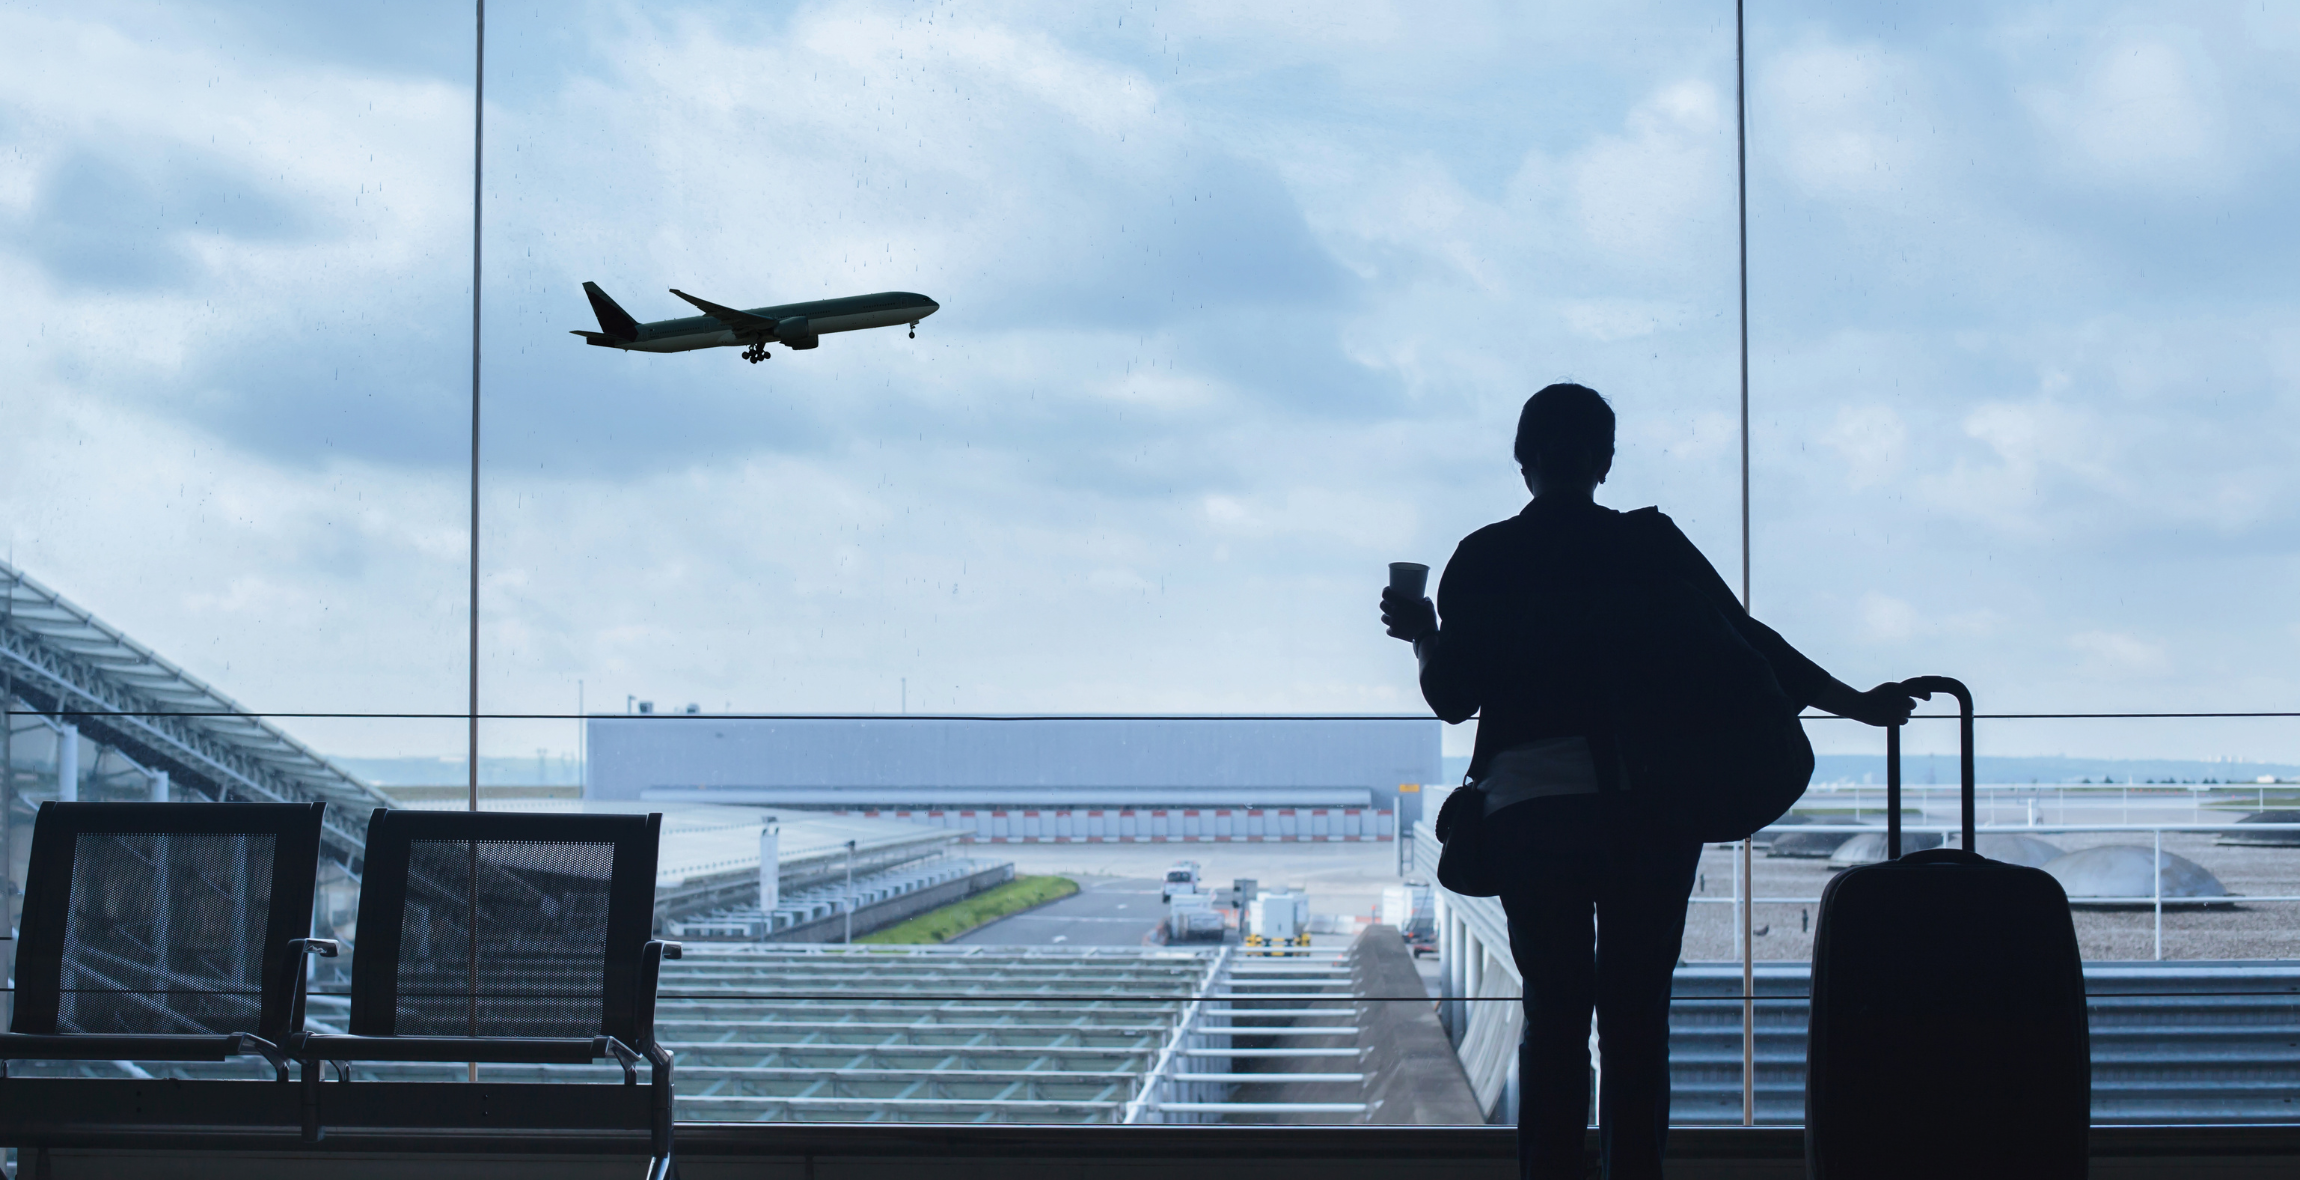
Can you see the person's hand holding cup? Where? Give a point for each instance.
(1406, 612)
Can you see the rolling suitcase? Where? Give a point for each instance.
(1948, 1035)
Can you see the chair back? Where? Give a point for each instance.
(502, 924)
(166, 918)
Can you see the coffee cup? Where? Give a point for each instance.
(1410, 578)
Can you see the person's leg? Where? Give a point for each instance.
(1641, 925)
(1554, 850)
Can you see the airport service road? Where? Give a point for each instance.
(1106, 911)
(1340, 878)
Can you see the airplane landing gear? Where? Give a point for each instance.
(756, 353)
(914, 329)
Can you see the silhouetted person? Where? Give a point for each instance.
(1523, 650)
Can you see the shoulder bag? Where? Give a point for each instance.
(1710, 743)
(1462, 865)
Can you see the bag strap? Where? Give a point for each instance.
(1629, 548)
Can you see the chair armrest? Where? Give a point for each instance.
(117, 1047)
(651, 959)
(251, 1043)
(502, 1050)
(133, 1047)
(623, 1055)
(300, 951)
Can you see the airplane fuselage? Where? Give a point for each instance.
(821, 316)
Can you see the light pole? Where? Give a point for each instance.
(850, 906)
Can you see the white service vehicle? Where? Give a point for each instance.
(1280, 918)
(1193, 918)
(1411, 909)
(1181, 878)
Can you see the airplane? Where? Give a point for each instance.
(793, 325)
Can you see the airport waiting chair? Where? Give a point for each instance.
(159, 932)
(504, 938)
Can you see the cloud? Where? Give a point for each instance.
(1647, 193)
(98, 222)
(1850, 122)
(1237, 307)
(2118, 652)
(1207, 247)
(1608, 320)
(2132, 429)
(1890, 620)
(1874, 441)
(2035, 444)
(2143, 113)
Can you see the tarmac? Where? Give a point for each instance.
(1340, 877)
(1106, 911)
(2243, 930)
(1349, 878)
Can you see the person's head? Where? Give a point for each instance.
(1565, 440)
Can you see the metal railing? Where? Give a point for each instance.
(2176, 1041)
(1258, 978)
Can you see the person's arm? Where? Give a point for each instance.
(1452, 678)
(1449, 675)
(1806, 682)
(1886, 704)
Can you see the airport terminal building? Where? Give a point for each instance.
(1055, 778)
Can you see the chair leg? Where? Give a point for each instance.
(313, 1071)
(664, 1165)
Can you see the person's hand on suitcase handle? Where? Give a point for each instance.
(1888, 704)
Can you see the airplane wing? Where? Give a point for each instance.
(739, 321)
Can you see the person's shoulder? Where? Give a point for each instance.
(1649, 519)
(1487, 546)
(1496, 533)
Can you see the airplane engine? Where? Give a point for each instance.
(795, 333)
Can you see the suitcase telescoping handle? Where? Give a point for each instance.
(1926, 686)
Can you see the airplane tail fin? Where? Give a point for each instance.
(613, 320)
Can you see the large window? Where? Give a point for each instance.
(1230, 308)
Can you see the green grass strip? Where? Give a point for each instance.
(950, 921)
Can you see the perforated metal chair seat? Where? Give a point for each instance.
(159, 932)
(505, 938)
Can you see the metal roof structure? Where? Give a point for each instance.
(949, 1034)
(704, 842)
(708, 863)
(827, 1033)
(73, 667)
(805, 914)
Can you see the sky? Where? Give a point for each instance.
(1238, 304)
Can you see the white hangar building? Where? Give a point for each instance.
(1037, 777)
